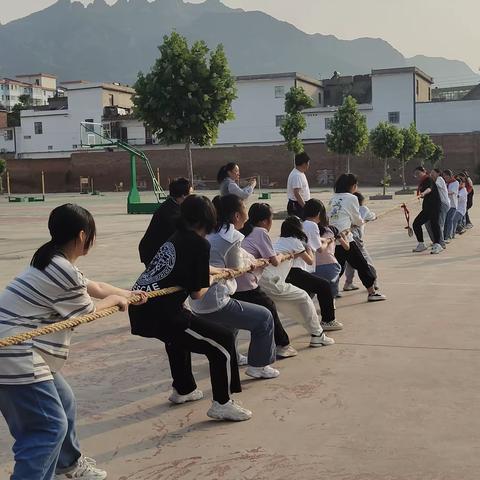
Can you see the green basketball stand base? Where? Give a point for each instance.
(265, 196)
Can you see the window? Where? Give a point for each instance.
(37, 81)
(328, 123)
(394, 117)
(111, 100)
(50, 147)
(9, 135)
(74, 147)
(429, 94)
(38, 128)
(27, 137)
(418, 87)
(279, 91)
(279, 119)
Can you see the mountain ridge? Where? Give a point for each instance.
(113, 43)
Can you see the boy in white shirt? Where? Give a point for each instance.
(453, 187)
(461, 207)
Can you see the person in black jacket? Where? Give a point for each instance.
(163, 223)
(427, 189)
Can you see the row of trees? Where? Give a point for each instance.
(349, 136)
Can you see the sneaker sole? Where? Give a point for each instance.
(228, 419)
(260, 377)
(373, 300)
(331, 329)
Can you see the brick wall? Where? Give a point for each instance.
(3, 119)
(274, 162)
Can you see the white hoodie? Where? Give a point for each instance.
(344, 211)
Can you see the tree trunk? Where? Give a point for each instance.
(348, 163)
(188, 154)
(385, 177)
(403, 175)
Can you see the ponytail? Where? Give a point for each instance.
(223, 172)
(257, 213)
(292, 227)
(43, 256)
(65, 224)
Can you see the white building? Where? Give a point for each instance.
(55, 129)
(397, 95)
(38, 86)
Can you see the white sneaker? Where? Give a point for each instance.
(331, 326)
(376, 297)
(262, 372)
(242, 360)
(286, 352)
(85, 470)
(436, 249)
(421, 247)
(350, 287)
(229, 411)
(321, 340)
(175, 397)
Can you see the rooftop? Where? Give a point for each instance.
(49, 75)
(273, 76)
(392, 71)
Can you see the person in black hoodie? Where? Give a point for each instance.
(163, 223)
(428, 191)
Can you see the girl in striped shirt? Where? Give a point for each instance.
(36, 401)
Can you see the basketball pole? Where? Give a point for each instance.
(43, 183)
(8, 183)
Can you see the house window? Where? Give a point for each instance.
(328, 123)
(37, 81)
(38, 127)
(429, 94)
(27, 137)
(279, 91)
(50, 147)
(394, 117)
(279, 119)
(74, 147)
(9, 135)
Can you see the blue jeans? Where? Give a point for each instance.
(41, 419)
(457, 222)
(331, 273)
(238, 315)
(448, 230)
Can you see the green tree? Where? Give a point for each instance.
(296, 100)
(348, 131)
(411, 144)
(3, 168)
(24, 102)
(386, 142)
(426, 149)
(186, 95)
(434, 160)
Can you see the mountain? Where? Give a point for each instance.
(113, 43)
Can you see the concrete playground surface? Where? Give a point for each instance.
(395, 399)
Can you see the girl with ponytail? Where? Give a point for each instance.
(36, 401)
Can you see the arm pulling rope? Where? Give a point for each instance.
(75, 322)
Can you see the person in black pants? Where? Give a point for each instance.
(430, 212)
(184, 261)
(163, 222)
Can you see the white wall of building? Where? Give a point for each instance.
(460, 116)
(392, 93)
(7, 139)
(256, 109)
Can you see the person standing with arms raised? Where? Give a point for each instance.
(228, 177)
(298, 191)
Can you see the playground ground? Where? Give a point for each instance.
(395, 399)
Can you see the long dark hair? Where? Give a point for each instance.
(292, 227)
(257, 213)
(314, 207)
(227, 207)
(65, 223)
(197, 211)
(223, 172)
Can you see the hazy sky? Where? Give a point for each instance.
(430, 27)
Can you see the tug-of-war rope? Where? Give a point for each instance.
(84, 319)
(76, 321)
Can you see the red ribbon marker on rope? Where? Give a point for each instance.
(407, 218)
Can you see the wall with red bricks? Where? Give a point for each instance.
(273, 163)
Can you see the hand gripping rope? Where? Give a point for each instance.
(406, 211)
(75, 322)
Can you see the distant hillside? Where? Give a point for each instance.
(113, 43)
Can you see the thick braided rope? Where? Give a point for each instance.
(75, 322)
